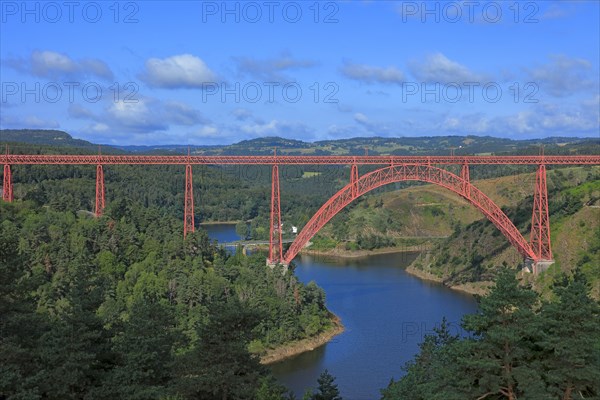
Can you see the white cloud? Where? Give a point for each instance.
(371, 74)
(271, 69)
(295, 130)
(241, 114)
(361, 118)
(563, 75)
(207, 132)
(539, 120)
(440, 69)
(375, 128)
(144, 115)
(466, 124)
(43, 62)
(50, 64)
(180, 71)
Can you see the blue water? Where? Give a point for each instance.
(386, 313)
(224, 233)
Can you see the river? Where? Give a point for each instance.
(385, 312)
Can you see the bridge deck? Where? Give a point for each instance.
(16, 159)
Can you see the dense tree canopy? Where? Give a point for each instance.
(122, 307)
(519, 348)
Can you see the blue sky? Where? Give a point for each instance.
(152, 72)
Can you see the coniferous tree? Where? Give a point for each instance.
(144, 366)
(220, 366)
(327, 389)
(501, 359)
(431, 372)
(570, 332)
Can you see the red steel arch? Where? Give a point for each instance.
(411, 172)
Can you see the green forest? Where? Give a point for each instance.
(122, 308)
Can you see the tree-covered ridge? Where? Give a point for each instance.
(518, 348)
(122, 307)
(42, 136)
(427, 145)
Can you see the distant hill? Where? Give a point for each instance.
(433, 145)
(42, 137)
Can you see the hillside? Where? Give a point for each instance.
(473, 253)
(433, 145)
(39, 136)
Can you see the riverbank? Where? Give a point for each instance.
(473, 288)
(342, 253)
(301, 346)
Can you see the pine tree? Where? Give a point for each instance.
(20, 326)
(145, 365)
(220, 366)
(431, 372)
(271, 390)
(570, 328)
(501, 360)
(76, 351)
(327, 389)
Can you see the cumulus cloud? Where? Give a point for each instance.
(241, 114)
(375, 128)
(278, 128)
(269, 69)
(53, 65)
(539, 120)
(371, 74)
(466, 124)
(563, 75)
(207, 132)
(437, 68)
(180, 71)
(145, 115)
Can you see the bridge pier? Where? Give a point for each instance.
(537, 267)
(285, 266)
(7, 189)
(541, 266)
(188, 217)
(354, 179)
(100, 200)
(540, 221)
(275, 245)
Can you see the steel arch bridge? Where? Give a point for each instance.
(423, 173)
(393, 169)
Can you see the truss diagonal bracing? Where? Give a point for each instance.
(540, 222)
(424, 173)
(188, 211)
(100, 201)
(275, 244)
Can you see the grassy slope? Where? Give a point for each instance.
(475, 253)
